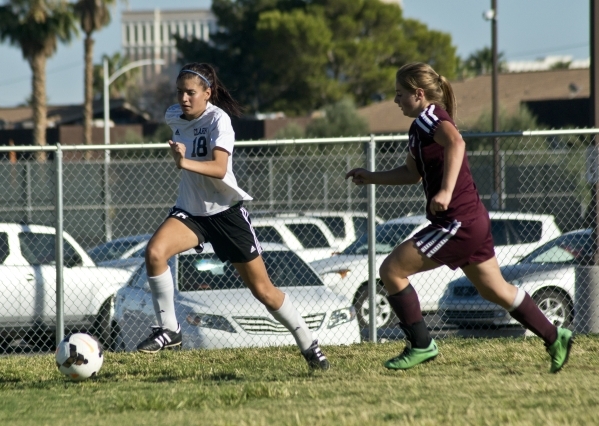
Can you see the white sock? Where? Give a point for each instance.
(293, 321)
(517, 300)
(163, 296)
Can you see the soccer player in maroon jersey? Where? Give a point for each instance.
(459, 235)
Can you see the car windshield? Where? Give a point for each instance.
(576, 248)
(112, 250)
(199, 272)
(388, 236)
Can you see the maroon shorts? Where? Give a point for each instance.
(457, 244)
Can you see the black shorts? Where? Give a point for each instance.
(230, 232)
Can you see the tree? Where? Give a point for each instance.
(300, 55)
(36, 26)
(338, 120)
(524, 119)
(481, 62)
(119, 87)
(93, 15)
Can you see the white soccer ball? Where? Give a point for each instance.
(79, 356)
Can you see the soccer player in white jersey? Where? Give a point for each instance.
(209, 209)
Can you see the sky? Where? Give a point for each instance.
(527, 30)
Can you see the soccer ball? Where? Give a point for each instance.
(79, 356)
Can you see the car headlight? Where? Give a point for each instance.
(341, 316)
(215, 322)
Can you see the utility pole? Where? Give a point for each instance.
(497, 196)
(594, 120)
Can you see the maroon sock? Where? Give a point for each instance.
(530, 316)
(406, 305)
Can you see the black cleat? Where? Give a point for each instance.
(159, 339)
(315, 358)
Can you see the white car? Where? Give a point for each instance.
(216, 310)
(346, 226)
(309, 237)
(28, 286)
(548, 274)
(514, 234)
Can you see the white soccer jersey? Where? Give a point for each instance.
(201, 195)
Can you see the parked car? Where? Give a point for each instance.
(130, 259)
(346, 226)
(119, 248)
(547, 274)
(216, 310)
(28, 286)
(514, 234)
(309, 237)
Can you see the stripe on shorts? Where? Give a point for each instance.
(246, 216)
(433, 241)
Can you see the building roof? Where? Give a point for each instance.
(473, 97)
(22, 117)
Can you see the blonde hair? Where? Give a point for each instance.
(418, 75)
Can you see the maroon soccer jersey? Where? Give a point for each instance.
(430, 161)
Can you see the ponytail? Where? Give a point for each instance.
(437, 89)
(207, 77)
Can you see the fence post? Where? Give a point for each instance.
(29, 192)
(107, 200)
(58, 253)
(271, 185)
(372, 308)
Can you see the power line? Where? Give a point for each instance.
(53, 71)
(550, 50)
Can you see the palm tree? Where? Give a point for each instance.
(35, 26)
(481, 62)
(93, 15)
(118, 89)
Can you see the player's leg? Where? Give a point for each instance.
(404, 261)
(171, 238)
(486, 277)
(281, 307)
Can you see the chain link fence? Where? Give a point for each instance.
(538, 186)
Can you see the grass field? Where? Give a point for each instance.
(472, 382)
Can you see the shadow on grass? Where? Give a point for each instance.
(225, 377)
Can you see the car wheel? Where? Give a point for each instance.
(384, 312)
(102, 327)
(556, 306)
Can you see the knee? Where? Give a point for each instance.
(389, 271)
(155, 254)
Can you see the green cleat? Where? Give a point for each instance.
(560, 349)
(410, 357)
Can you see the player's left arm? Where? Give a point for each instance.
(450, 139)
(215, 168)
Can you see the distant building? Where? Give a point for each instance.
(548, 63)
(559, 98)
(149, 35)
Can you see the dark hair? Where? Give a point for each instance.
(418, 75)
(220, 96)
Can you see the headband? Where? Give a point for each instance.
(198, 74)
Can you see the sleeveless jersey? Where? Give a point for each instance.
(201, 195)
(430, 161)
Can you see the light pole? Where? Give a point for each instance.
(107, 81)
(498, 182)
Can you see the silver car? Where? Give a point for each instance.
(216, 310)
(547, 274)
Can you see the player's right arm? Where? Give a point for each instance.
(406, 174)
